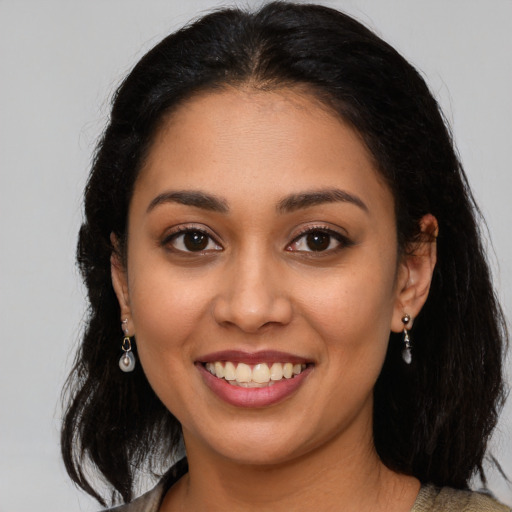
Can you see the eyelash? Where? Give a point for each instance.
(342, 240)
(188, 230)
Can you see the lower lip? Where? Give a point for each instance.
(253, 397)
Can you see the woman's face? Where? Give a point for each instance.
(262, 279)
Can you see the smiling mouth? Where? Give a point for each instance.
(254, 375)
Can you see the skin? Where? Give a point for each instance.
(258, 286)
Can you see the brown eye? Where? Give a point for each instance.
(195, 241)
(190, 240)
(318, 241)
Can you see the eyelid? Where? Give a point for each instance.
(183, 229)
(343, 240)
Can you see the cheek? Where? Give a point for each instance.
(352, 310)
(167, 309)
(352, 317)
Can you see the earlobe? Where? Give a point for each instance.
(415, 273)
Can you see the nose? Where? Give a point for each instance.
(252, 295)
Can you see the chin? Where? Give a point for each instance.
(257, 443)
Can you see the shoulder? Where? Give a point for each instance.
(440, 499)
(151, 501)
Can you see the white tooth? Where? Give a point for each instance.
(287, 370)
(243, 373)
(219, 369)
(229, 371)
(210, 368)
(276, 371)
(260, 373)
(297, 369)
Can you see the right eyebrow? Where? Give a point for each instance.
(190, 198)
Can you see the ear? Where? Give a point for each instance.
(415, 273)
(120, 284)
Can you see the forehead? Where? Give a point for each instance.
(258, 144)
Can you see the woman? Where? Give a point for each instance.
(282, 256)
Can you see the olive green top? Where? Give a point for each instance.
(429, 499)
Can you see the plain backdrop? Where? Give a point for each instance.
(60, 61)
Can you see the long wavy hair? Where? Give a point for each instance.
(433, 418)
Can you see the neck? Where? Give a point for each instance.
(346, 471)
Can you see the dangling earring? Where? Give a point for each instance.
(127, 360)
(406, 352)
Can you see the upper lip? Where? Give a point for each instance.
(261, 356)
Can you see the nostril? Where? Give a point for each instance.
(252, 313)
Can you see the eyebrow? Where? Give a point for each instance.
(305, 200)
(288, 204)
(190, 198)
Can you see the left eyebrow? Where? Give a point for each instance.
(315, 197)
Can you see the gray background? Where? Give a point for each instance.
(59, 63)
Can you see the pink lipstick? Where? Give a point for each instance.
(253, 380)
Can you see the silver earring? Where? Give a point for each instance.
(127, 360)
(406, 352)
